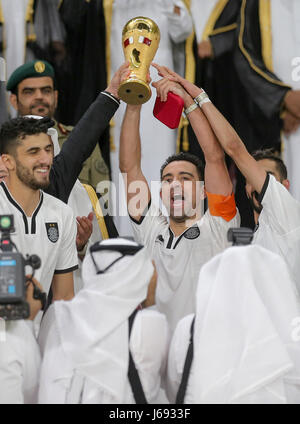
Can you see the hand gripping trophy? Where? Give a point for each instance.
(140, 38)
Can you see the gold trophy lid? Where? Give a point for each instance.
(143, 24)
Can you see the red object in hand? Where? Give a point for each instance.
(169, 112)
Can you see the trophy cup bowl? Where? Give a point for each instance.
(140, 39)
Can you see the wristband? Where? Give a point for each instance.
(202, 98)
(190, 108)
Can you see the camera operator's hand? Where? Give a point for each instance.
(35, 305)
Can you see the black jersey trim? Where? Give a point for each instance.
(33, 220)
(177, 241)
(264, 188)
(65, 271)
(13, 202)
(142, 216)
(171, 238)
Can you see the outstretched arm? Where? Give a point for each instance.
(83, 139)
(226, 135)
(138, 193)
(217, 179)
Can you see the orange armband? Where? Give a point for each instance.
(223, 206)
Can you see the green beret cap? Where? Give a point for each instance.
(36, 68)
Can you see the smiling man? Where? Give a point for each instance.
(43, 224)
(33, 92)
(185, 242)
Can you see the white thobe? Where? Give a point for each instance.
(201, 11)
(19, 363)
(279, 226)
(15, 35)
(61, 383)
(244, 347)
(158, 141)
(286, 52)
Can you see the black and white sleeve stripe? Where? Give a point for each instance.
(111, 96)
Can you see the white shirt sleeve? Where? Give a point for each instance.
(177, 354)
(67, 258)
(149, 346)
(280, 207)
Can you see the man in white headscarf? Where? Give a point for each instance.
(246, 346)
(86, 355)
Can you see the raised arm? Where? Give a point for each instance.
(227, 137)
(83, 139)
(217, 180)
(137, 189)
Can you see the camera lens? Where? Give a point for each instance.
(5, 222)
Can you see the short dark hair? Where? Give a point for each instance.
(271, 155)
(188, 157)
(15, 130)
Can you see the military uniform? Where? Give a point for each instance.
(94, 169)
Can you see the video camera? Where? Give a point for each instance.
(240, 236)
(13, 305)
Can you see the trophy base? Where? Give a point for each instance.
(134, 92)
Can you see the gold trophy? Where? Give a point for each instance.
(140, 39)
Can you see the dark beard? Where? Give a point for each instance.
(28, 180)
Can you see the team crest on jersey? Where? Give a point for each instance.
(52, 231)
(159, 239)
(192, 233)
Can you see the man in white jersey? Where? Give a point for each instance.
(43, 224)
(181, 246)
(175, 24)
(276, 212)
